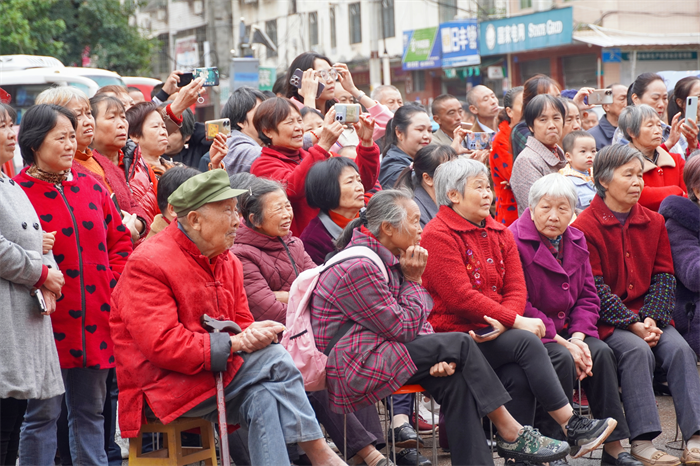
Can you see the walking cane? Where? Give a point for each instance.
(209, 323)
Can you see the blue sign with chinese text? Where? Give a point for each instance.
(460, 45)
(529, 32)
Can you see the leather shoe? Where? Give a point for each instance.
(405, 437)
(408, 457)
(623, 459)
(691, 456)
(659, 458)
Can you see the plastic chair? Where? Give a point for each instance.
(172, 452)
(415, 389)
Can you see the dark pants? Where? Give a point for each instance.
(601, 389)
(11, 417)
(363, 426)
(403, 404)
(522, 363)
(465, 397)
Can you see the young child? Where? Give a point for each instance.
(579, 148)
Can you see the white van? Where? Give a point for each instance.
(24, 77)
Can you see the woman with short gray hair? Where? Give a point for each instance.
(381, 310)
(476, 280)
(663, 171)
(633, 271)
(552, 252)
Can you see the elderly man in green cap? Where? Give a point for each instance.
(166, 361)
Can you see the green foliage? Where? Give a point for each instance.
(101, 25)
(26, 28)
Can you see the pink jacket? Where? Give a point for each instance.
(269, 264)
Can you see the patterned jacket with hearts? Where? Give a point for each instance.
(91, 249)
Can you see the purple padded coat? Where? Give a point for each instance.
(683, 225)
(562, 295)
(269, 264)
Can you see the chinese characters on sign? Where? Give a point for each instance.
(460, 45)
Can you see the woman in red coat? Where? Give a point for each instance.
(476, 280)
(91, 163)
(501, 158)
(91, 248)
(663, 171)
(633, 272)
(281, 129)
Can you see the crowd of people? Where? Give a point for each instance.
(496, 278)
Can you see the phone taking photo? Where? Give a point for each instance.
(210, 75)
(599, 97)
(296, 82)
(185, 79)
(478, 141)
(214, 127)
(691, 108)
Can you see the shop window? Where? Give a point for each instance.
(388, 28)
(580, 71)
(447, 10)
(334, 38)
(313, 28)
(530, 68)
(355, 23)
(271, 31)
(162, 62)
(525, 4)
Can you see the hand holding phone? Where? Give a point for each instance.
(599, 97)
(691, 108)
(347, 113)
(305, 82)
(210, 75)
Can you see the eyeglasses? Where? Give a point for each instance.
(327, 75)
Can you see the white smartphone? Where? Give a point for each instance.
(691, 108)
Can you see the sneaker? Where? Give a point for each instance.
(585, 435)
(531, 446)
(425, 402)
(423, 426)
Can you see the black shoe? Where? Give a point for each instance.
(531, 446)
(405, 437)
(408, 457)
(585, 435)
(623, 459)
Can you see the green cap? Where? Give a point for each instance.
(207, 187)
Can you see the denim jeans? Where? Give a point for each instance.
(85, 398)
(267, 395)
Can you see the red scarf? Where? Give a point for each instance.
(340, 220)
(365, 231)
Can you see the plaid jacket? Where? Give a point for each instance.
(369, 362)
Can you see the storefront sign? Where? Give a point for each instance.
(662, 55)
(528, 32)
(612, 55)
(460, 45)
(267, 78)
(420, 49)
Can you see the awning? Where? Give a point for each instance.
(606, 37)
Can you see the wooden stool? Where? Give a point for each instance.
(173, 453)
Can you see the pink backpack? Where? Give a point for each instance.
(299, 336)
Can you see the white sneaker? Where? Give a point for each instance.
(425, 415)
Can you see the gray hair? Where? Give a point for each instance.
(633, 117)
(453, 175)
(610, 158)
(379, 90)
(62, 96)
(252, 203)
(553, 185)
(386, 206)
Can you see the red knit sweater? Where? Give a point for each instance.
(471, 272)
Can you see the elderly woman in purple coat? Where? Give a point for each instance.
(562, 293)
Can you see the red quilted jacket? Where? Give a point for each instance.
(91, 249)
(163, 353)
